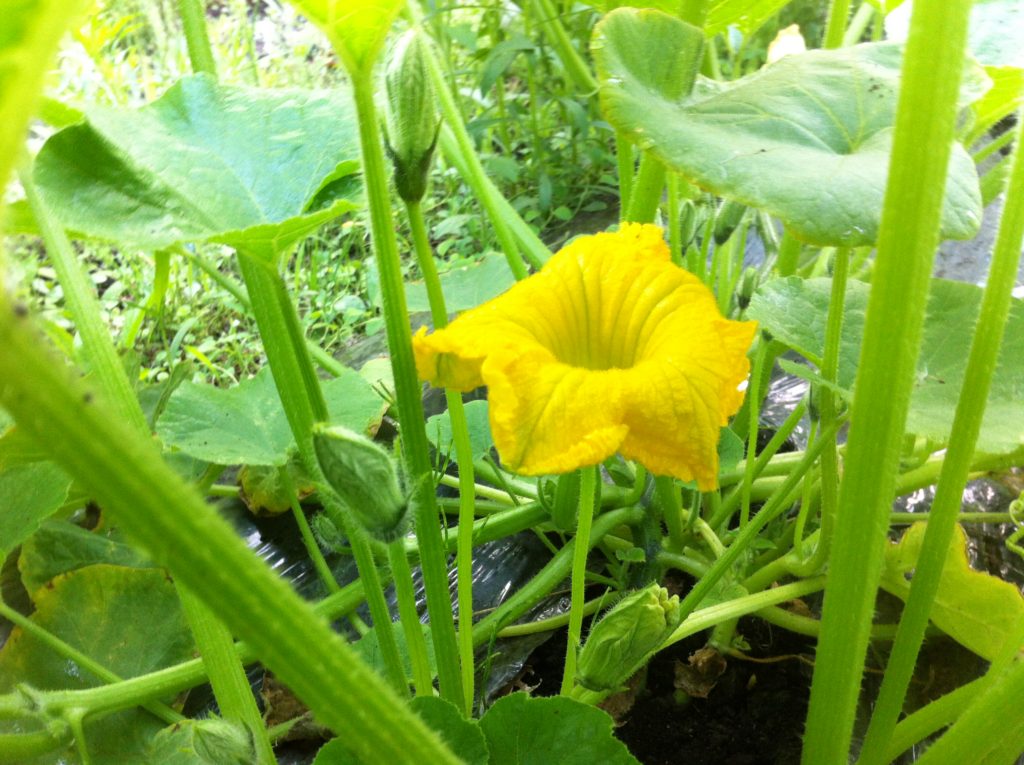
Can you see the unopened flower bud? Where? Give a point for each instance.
(363, 474)
(748, 283)
(411, 116)
(628, 633)
(730, 214)
(687, 222)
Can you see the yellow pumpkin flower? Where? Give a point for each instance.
(609, 348)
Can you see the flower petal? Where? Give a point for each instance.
(611, 347)
(548, 417)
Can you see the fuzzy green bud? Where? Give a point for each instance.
(628, 633)
(729, 217)
(363, 474)
(411, 115)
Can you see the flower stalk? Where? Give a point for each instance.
(908, 235)
(584, 521)
(410, 406)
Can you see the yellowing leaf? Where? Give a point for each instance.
(977, 610)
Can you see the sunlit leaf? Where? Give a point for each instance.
(622, 45)
(253, 169)
(978, 610)
(356, 28)
(247, 425)
(807, 139)
(794, 311)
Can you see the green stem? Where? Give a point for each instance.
(650, 180)
(932, 717)
(981, 363)
(835, 27)
(551, 575)
(212, 638)
(732, 502)
(672, 511)
(407, 387)
(458, 148)
(125, 473)
(829, 464)
(990, 729)
(855, 29)
(626, 163)
(19, 748)
(323, 359)
(584, 522)
(463, 455)
(84, 661)
(464, 540)
(554, 622)
(193, 19)
(227, 676)
(575, 66)
(308, 540)
(772, 508)
(410, 618)
(754, 414)
(302, 399)
(84, 307)
(908, 236)
(805, 625)
(789, 254)
(674, 231)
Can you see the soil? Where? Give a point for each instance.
(753, 715)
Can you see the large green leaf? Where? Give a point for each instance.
(952, 313)
(356, 28)
(253, 169)
(794, 311)
(522, 730)
(29, 494)
(60, 546)
(247, 425)
(465, 287)
(128, 620)
(807, 139)
(978, 610)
